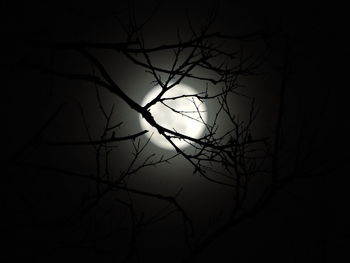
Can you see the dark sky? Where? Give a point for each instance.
(307, 221)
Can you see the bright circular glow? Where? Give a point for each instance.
(186, 115)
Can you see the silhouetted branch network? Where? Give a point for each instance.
(230, 157)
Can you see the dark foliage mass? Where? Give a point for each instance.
(83, 182)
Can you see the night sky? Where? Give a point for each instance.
(55, 202)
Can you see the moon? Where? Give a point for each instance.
(179, 112)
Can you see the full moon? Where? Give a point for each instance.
(179, 112)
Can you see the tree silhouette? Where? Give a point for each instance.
(110, 212)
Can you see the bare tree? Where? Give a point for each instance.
(229, 153)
